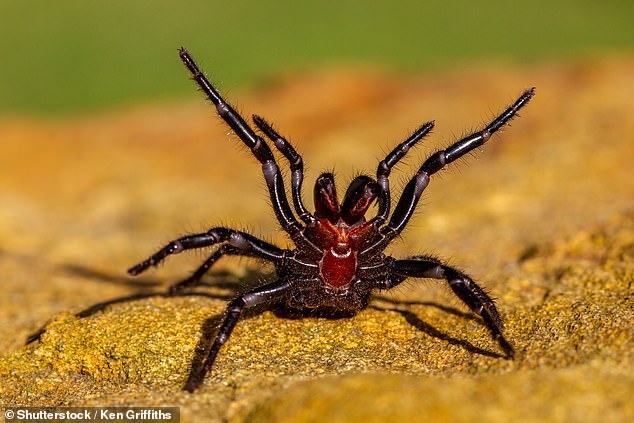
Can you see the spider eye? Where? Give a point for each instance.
(362, 191)
(326, 202)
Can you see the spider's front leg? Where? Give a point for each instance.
(258, 147)
(237, 243)
(296, 163)
(415, 187)
(385, 168)
(462, 285)
(262, 294)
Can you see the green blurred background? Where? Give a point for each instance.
(69, 56)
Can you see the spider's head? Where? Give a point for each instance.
(362, 191)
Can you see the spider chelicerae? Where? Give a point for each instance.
(338, 260)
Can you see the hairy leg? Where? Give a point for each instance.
(385, 167)
(462, 285)
(194, 279)
(415, 187)
(258, 147)
(296, 163)
(233, 312)
(243, 242)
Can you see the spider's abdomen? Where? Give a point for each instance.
(338, 266)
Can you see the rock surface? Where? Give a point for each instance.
(543, 218)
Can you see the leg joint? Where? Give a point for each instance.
(435, 162)
(236, 305)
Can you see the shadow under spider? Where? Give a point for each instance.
(143, 292)
(252, 278)
(428, 329)
(466, 315)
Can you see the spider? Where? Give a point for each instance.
(338, 260)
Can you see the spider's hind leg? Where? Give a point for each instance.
(262, 294)
(463, 286)
(233, 242)
(194, 279)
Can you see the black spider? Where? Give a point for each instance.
(339, 259)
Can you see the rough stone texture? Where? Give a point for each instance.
(543, 218)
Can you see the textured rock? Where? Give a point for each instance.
(543, 218)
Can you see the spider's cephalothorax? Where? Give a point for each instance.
(338, 260)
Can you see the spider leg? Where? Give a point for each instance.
(415, 187)
(265, 293)
(462, 285)
(194, 279)
(385, 167)
(296, 163)
(259, 148)
(240, 241)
